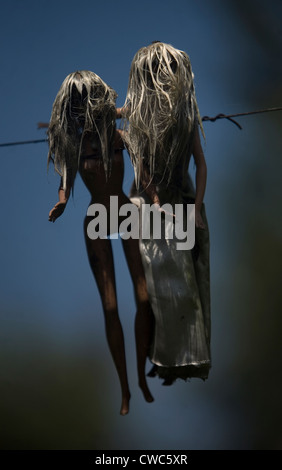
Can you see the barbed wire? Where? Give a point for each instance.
(230, 117)
(8, 144)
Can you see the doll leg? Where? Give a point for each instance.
(144, 315)
(101, 262)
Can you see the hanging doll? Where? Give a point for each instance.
(83, 138)
(161, 131)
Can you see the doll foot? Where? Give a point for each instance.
(125, 405)
(153, 371)
(146, 392)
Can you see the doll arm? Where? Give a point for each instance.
(119, 113)
(59, 208)
(123, 111)
(150, 189)
(201, 177)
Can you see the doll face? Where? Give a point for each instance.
(77, 102)
(78, 105)
(158, 69)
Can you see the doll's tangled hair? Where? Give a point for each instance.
(85, 104)
(160, 111)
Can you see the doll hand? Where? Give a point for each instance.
(198, 220)
(163, 212)
(57, 210)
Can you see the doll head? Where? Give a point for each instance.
(160, 108)
(84, 106)
(161, 67)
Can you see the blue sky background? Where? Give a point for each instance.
(58, 384)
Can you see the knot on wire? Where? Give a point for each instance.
(204, 118)
(221, 116)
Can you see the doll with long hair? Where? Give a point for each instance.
(162, 122)
(83, 138)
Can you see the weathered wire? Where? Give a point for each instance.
(231, 116)
(204, 118)
(24, 142)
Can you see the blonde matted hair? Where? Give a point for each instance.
(160, 110)
(85, 104)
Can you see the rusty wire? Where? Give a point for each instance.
(230, 117)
